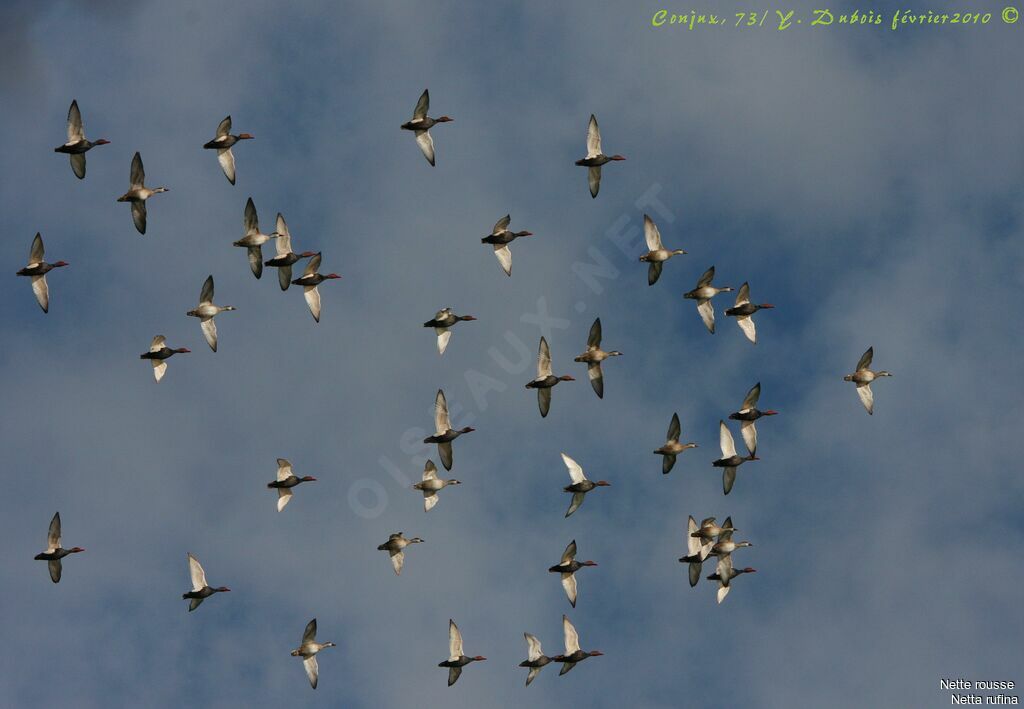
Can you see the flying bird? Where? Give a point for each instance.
(308, 650)
(200, 589)
(286, 480)
(285, 257)
(595, 157)
(222, 144)
(709, 531)
(545, 380)
(567, 567)
(729, 460)
(309, 280)
(657, 254)
(206, 312)
(593, 358)
(159, 353)
(748, 414)
(443, 432)
(500, 237)
(443, 322)
(725, 572)
(580, 485)
(254, 239)
(744, 310)
(37, 269)
(138, 193)
(421, 124)
(863, 378)
(573, 654)
(703, 294)
(535, 657)
(725, 546)
(456, 659)
(77, 146)
(395, 547)
(431, 485)
(54, 551)
(672, 446)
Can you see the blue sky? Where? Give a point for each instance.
(867, 183)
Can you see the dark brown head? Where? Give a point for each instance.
(102, 141)
(617, 157)
(466, 317)
(467, 429)
(245, 136)
(444, 119)
(589, 563)
(595, 653)
(524, 233)
(222, 589)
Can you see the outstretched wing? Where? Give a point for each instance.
(577, 500)
(533, 648)
(309, 634)
(250, 221)
(226, 158)
(504, 257)
(743, 295)
(139, 216)
(224, 127)
(569, 554)
(502, 224)
(706, 278)
(36, 254)
(78, 165)
(674, 429)
(652, 235)
(543, 359)
(137, 178)
(593, 138)
(572, 638)
(397, 561)
(654, 272)
(53, 534)
(442, 423)
(866, 397)
(422, 106)
(707, 314)
(312, 295)
(284, 469)
(725, 440)
(426, 143)
(42, 291)
(454, 641)
(575, 471)
(865, 359)
(209, 328)
(596, 377)
(206, 294)
(75, 130)
(312, 670)
(196, 573)
(751, 399)
(569, 584)
(594, 180)
(594, 338)
(746, 324)
(544, 401)
(749, 431)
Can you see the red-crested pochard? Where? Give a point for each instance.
(703, 294)
(159, 353)
(595, 157)
(443, 432)
(200, 589)
(545, 380)
(744, 310)
(222, 144)
(77, 145)
(421, 124)
(672, 446)
(500, 237)
(580, 484)
(567, 567)
(748, 414)
(456, 659)
(431, 485)
(442, 323)
(309, 280)
(37, 269)
(54, 551)
(286, 480)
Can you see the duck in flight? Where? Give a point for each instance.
(207, 311)
(595, 157)
(545, 380)
(456, 658)
(443, 432)
(222, 144)
(308, 650)
(500, 237)
(54, 551)
(443, 322)
(159, 353)
(421, 124)
(286, 480)
(744, 310)
(567, 567)
(672, 446)
(138, 193)
(254, 239)
(748, 414)
(37, 269)
(703, 294)
(200, 589)
(863, 378)
(593, 358)
(580, 484)
(657, 254)
(77, 145)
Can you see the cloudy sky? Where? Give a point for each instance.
(866, 182)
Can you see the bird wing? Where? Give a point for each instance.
(53, 534)
(751, 399)
(312, 670)
(746, 324)
(668, 461)
(159, 369)
(533, 648)
(502, 224)
(674, 429)
(137, 176)
(55, 568)
(743, 295)
(453, 675)
(313, 265)
(426, 143)
(572, 638)
(196, 573)
(728, 479)
(75, 130)
(594, 338)
(397, 561)
(575, 471)
(749, 431)
(707, 314)
(693, 544)
(454, 641)
(444, 450)
(443, 335)
(504, 257)
(422, 106)
(429, 471)
(312, 295)
(652, 235)
(78, 165)
(569, 554)
(694, 572)
(309, 634)
(226, 158)
(42, 291)
(139, 216)
(284, 496)
(209, 328)
(283, 245)
(543, 359)
(206, 294)
(442, 423)
(158, 343)
(37, 252)
(284, 469)
(534, 671)
(256, 260)
(224, 127)
(865, 359)
(544, 401)
(430, 498)
(725, 440)
(706, 278)
(596, 377)
(577, 500)
(593, 138)
(866, 397)
(594, 180)
(284, 276)
(654, 272)
(569, 584)
(250, 220)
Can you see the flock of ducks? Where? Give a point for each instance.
(703, 541)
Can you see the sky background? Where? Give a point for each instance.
(866, 182)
